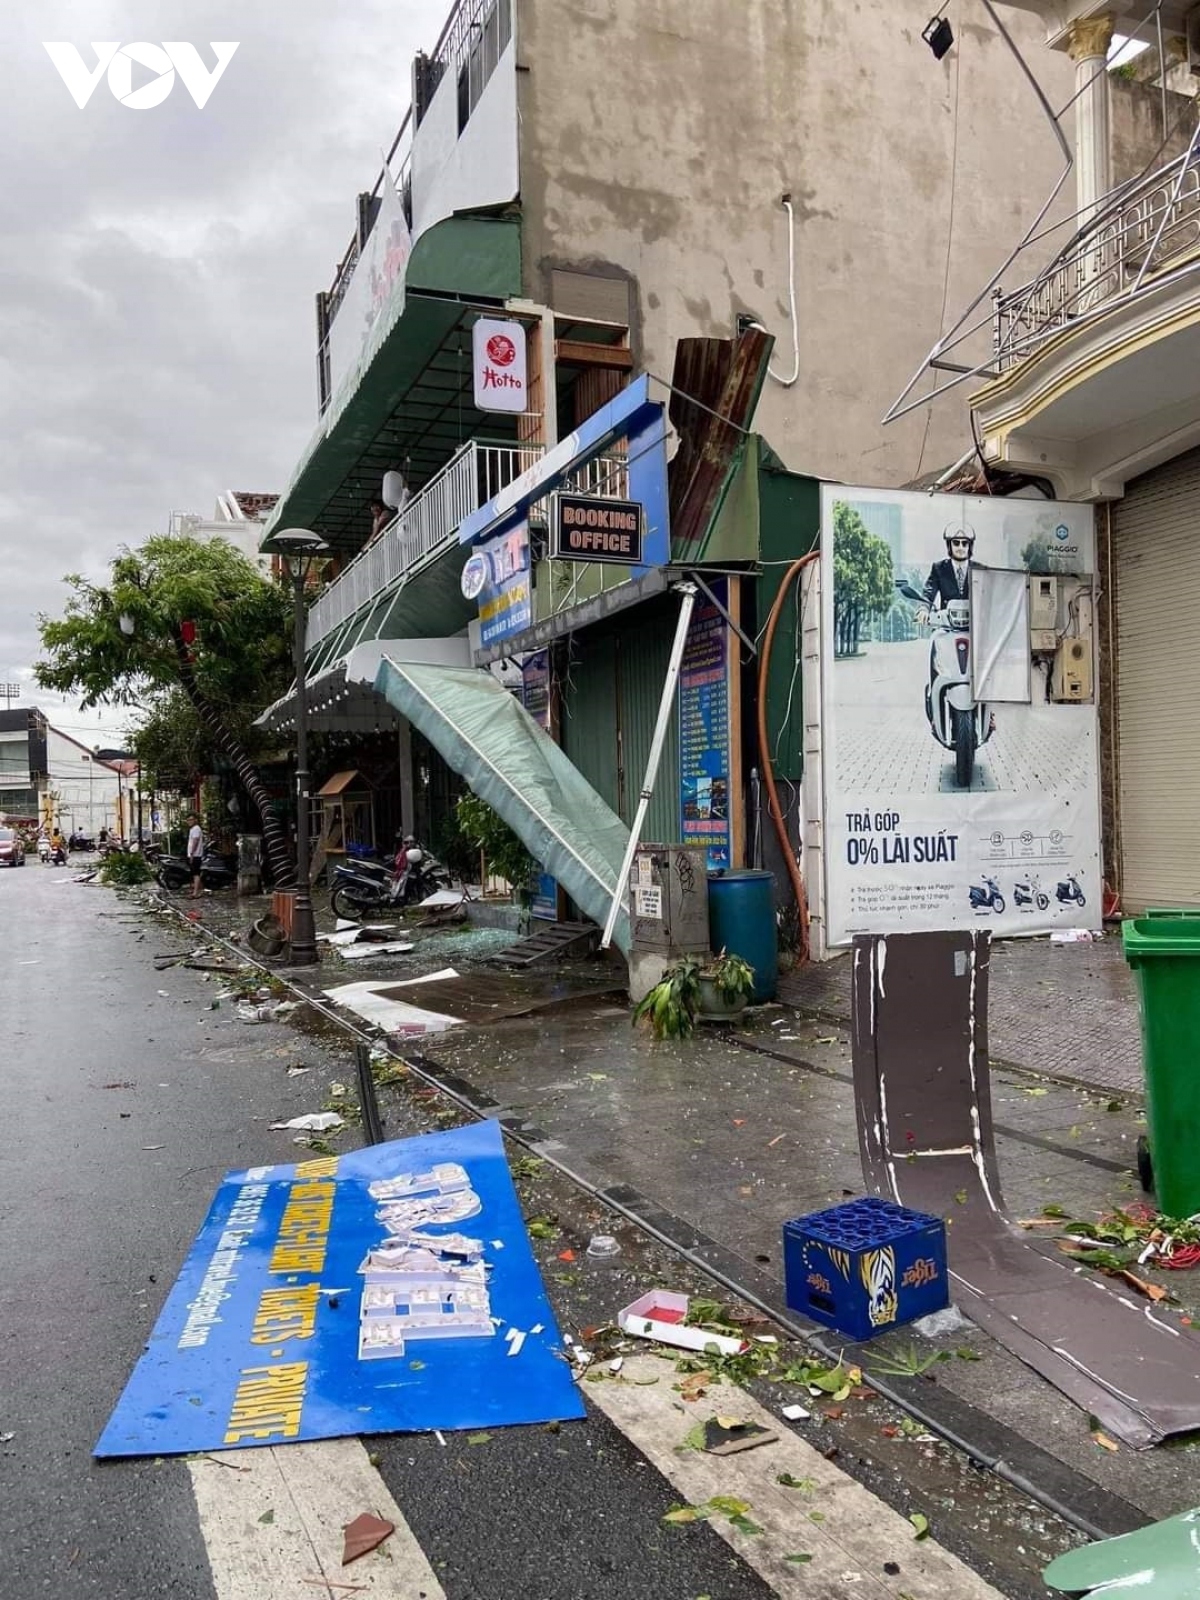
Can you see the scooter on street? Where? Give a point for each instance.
(1031, 893)
(988, 898)
(362, 887)
(1068, 892)
(956, 721)
(216, 872)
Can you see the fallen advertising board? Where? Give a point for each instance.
(958, 724)
(391, 1288)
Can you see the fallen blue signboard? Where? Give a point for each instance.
(390, 1289)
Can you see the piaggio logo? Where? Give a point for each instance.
(119, 60)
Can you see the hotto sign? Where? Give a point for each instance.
(499, 354)
(587, 529)
(160, 61)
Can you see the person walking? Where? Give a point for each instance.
(195, 854)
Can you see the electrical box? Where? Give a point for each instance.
(1043, 612)
(668, 899)
(1071, 678)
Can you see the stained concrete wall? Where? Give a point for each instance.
(659, 135)
(1139, 142)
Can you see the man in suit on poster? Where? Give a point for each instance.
(949, 579)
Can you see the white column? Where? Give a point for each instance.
(1088, 42)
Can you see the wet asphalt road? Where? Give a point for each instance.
(126, 1098)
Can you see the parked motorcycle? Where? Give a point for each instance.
(956, 721)
(1068, 892)
(988, 898)
(1031, 893)
(362, 887)
(216, 872)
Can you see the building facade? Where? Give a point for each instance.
(48, 779)
(708, 252)
(1095, 387)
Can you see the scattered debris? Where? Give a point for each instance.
(1104, 1441)
(727, 1436)
(662, 1315)
(364, 948)
(515, 1338)
(7, 1438)
(364, 1534)
(920, 1523)
(314, 1122)
(603, 1245)
(795, 1413)
(938, 1323)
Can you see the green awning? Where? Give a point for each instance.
(483, 734)
(407, 406)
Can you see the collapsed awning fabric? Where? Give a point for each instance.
(481, 731)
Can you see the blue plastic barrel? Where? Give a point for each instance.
(741, 921)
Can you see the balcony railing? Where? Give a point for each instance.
(1142, 232)
(428, 526)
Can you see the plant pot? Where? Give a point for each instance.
(714, 1007)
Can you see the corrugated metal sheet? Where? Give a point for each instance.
(589, 723)
(644, 654)
(725, 378)
(610, 702)
(1156, 552)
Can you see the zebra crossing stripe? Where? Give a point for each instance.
(272, 1523)
(817, 1512)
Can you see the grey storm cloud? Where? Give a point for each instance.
(158, 268)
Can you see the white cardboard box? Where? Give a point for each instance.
(644, 1318)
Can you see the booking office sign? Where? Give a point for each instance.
(958, 714)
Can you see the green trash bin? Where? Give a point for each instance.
(1164, 952)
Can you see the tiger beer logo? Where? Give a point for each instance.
(819, 1282)
(877, 1269)
(841, 1260)
(924, 1270)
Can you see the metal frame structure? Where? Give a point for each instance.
(1105, 233)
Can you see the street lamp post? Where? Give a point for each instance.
(299, 547)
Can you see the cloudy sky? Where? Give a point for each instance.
(157, 273)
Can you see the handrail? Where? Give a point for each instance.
(1141, 230)
(428, 525)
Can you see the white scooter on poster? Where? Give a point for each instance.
(957, 722)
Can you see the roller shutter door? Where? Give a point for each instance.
(1156, 553)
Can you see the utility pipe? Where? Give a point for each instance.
(665, 706)
(764, 749)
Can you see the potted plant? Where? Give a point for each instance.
(671, 1006)
(726, 985)
(687, 992)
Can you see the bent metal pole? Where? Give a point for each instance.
(665, 706)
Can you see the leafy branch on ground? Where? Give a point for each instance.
(125, 869)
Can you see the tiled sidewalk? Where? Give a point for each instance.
(1069, 1011)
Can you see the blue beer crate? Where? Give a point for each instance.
(865, 1266)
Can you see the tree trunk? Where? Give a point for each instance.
(274, 839)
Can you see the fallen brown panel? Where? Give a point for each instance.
(364, 1534)
(923, 1103)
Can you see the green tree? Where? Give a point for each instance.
(199, 619)
(506, 856)
(863, 579)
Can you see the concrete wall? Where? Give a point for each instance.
(659, 135)
(1138, 141)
